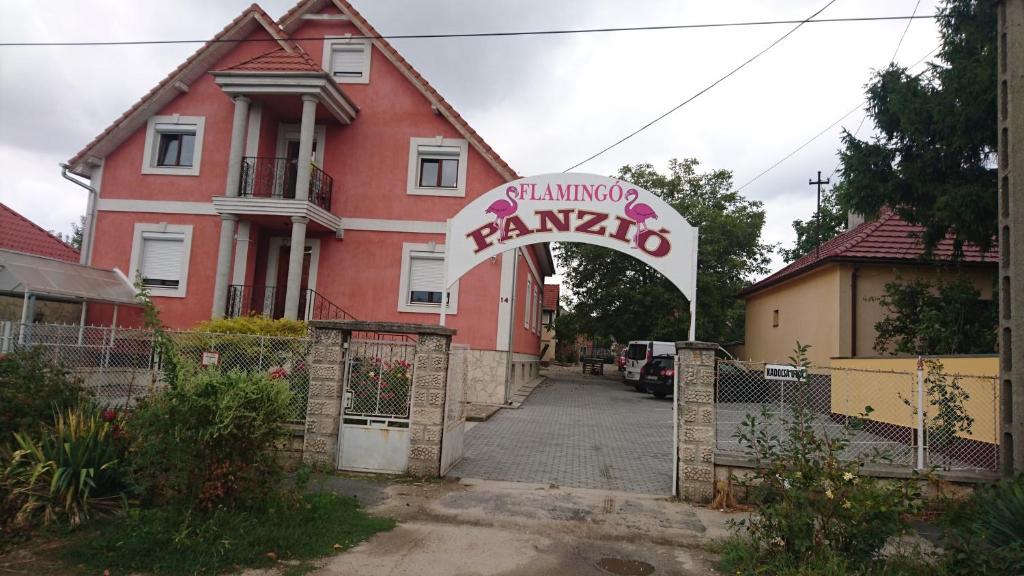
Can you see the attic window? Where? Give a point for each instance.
(174, 145)
(347, 60)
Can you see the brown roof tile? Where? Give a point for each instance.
(20, 234)
(888, 238)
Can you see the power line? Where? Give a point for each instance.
(702, 91)
(482, 34)
(891, 60)
(830, 126)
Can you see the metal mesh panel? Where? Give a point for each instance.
(876, 410)
(120, 365)
(378, 377)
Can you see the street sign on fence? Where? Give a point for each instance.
(783, 372)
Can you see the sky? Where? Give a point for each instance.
(543, 102)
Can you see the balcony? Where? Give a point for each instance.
(245, 300)
(271, 177)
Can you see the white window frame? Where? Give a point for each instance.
(331, 41)
(136, 260)
(413, 182)
(537, 309)
(429, 250)
(152, 147)
(528, 303)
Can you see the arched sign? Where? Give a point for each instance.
(571, 207)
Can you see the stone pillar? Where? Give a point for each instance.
(294, 283)
(224, 253)
(1010, 67)
(695, 404)
(306, 128)
(323, 410)
(429, 380)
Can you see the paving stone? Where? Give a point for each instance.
(576, 430)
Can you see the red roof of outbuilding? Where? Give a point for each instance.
(20, 234)
(551, 296)
(278, 61)
(889, 238)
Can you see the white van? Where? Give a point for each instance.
(639, 352)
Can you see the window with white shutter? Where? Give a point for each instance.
(421, 285)
(160, 258)
(426, 279)
(347, 60)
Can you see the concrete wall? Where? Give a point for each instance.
(872, 382)
(808, 311)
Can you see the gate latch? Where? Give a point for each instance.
(348, 399)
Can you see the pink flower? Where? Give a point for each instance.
(109, 415)
(278, 373)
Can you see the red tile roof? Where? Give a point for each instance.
(551, 296)
(278, 61)
(20, 234)
(217, 42)
(305, 6)
(889, 238)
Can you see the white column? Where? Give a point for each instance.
(238, 124)
(242, 241)
(298, 248)
(224, 252)
(306, 128)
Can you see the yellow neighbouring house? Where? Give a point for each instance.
(827, 298)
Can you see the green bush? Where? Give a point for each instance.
(208, 441)
(31, 389)
(814, 507)
(985, 533)
(67, 473)
(261, 325)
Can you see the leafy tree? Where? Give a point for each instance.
(74, 239)
(833, 221)
(945, 317)
(933, 160)
(620, 297)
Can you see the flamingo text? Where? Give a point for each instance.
(569, 192)
(653, 242)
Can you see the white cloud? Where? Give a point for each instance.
(543, 102)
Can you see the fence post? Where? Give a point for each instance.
(5, 337)
(920, 413)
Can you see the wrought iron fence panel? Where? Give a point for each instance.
(379, 375)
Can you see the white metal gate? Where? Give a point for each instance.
(454, 409)
(374, 434)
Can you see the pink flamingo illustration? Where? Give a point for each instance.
(503, 209)
(639, 213)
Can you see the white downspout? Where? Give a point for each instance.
(85, 255)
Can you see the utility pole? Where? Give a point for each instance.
(817, 214)
(1010, 34)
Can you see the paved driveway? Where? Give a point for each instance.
(576, 430)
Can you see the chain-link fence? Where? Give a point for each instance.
(378, 375)
(120, 365)
(882, 413)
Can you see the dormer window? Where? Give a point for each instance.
(347, 60)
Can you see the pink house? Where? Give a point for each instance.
(308, 178)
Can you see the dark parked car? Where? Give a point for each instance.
(658, 376)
